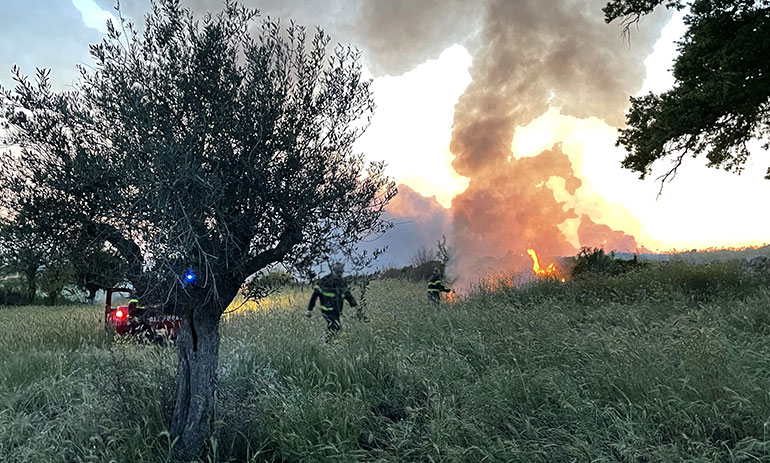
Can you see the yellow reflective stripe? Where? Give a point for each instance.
(435, 290)
(323, 307)
(324, 293)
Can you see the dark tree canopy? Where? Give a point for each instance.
(97, 269)
(197, 145)
(721, 97)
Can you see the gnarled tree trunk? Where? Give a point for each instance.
(198, 351)
(30, 273)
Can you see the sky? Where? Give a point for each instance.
(497, 117)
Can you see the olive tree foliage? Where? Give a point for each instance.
(97, 269)
(199, 147)
(721, 96)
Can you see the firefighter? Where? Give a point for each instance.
(436, 287)
(331, 290)
(139, 326)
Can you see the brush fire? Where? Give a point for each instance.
(550, 272)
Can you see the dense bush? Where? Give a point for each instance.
(413, 273)
(12, 291)
(654, 282)
(596, 262)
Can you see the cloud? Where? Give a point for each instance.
(44, 34)
(93, 15)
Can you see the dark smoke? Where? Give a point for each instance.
(531, 51)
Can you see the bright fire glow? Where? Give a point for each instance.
(617, 198)
(412, 126)
(548, 272)
(602, 194)
(120, 314)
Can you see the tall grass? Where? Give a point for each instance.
(667, 363)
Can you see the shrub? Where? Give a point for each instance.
(595, 261)
(413, 273)
(12, 292)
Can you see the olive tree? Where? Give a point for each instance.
(201, 151)
(96, 269)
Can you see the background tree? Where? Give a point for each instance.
(444, 254)
(53, 278)
(197, 149)
(97, 269)
(23, 251)
(721, 96)
(47, 264)
(423, 255)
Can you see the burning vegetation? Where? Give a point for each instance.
(550, 272)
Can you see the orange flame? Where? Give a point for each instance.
(548, 272)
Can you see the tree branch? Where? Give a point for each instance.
(128, 249)
(291, 237)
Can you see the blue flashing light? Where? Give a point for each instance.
(189, 277)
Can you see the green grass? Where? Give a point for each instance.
(666, 363)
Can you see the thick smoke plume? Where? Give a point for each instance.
(532, 54)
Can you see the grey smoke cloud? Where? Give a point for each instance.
(394, 35)
(533, 53)
(532, 49)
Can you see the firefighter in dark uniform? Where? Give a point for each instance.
(139, 326)
(436, 287)
(331, 290)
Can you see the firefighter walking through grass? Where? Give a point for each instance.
(436, 287)
(331, 290)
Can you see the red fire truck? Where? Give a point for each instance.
(146, 324)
